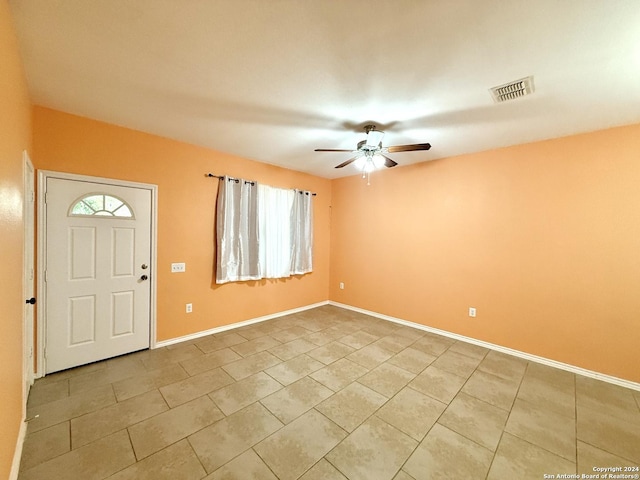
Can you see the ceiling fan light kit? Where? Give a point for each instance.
(371, 155)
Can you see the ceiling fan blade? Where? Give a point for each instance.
(409, 148)
(388, 162)
(332, 150)
(351, 160)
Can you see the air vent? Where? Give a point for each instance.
(512, 90)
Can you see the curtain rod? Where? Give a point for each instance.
(220, 177)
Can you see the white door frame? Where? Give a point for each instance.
(43, 175)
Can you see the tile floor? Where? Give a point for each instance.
(325, 394)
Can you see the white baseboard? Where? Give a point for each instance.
(224, 328)
(509, 351)
(17, 454)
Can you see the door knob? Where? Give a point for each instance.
(144, 277)
(31, 300)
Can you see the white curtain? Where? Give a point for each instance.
(302, 233)
(237, 231)
(262, 231)
(274, 231)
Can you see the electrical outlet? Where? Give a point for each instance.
(472, 312)
(189, 307)
(178, 267)
(341, 285)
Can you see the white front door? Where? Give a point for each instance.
(98, 256)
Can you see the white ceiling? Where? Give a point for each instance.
(272, 80)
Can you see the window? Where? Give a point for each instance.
(101, 204)
(262, 231)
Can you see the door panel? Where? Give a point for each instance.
(98, 306)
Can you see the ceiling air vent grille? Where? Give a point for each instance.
(512, 90)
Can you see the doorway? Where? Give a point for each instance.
(97, 264)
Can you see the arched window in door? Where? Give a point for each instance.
(100, 204)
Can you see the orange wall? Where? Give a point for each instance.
(542, 238)
(68, 143)
(15, 136)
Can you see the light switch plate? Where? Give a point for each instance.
(178, 267)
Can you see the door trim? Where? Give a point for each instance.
(41, 323)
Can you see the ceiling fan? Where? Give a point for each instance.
(370, 154)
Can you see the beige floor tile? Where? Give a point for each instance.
(339, 374)
(255, 346)
(70, 407)
(330, 352)
(393, 343)
(248, 466)
(516, 458)
(294, 449)
(293, 370)
(244, 392)
(477, 420)
(220, 341)
(292, 349)
(94, 425)
(296, 399)
(323, 470)
(289, 334)
(374, 450)
(177, 461)
(590, 457)
(412, 360)
(491, 389)
(402, 475)
(502, 365)
(456, 363)
(156, 433)
(105, 376)
(412, 412)
(544, 428)
(445, 454)
(433, 344)
(164, 357)
(320, 338)
(386, 379)
(556, 397)
(469, 349)
(94, 461)
(216, 444)
(370, 356)
(438, 384)
(253, 364)
(194, 387)
(617, 436)
(359, 339)
(209, 361)
(562, 379)
(251, 332)
(45, 444)
(47, 392)
(409, 332)
(132, 386)
(72, 372)
(368, 362)
(598, 395)
(351, 406)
